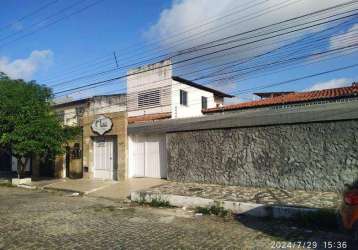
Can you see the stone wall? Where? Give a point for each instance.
(311, 156)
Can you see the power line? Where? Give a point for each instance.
(42, 7)
(41, 27)
(210, 53)
(293, 59)
(181, 41)
(130, 48)
(255, 70)
(216, 45)
(288, 81)
(238, 63)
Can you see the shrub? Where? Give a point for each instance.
(215, 210)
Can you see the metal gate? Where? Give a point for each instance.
(148, 156)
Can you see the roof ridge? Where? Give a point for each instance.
(296, 97)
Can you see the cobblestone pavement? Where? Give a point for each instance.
(34, 219)
(249, 194)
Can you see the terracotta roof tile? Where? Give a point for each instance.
(296, 97)
(151, 117)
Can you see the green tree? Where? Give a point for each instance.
(28, 125)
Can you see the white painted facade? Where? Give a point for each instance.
(153, 90)
(148, 80)
(106, 104)
(194, 106)
(142, 98)
(70, 117)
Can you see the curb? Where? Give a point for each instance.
(240, 208)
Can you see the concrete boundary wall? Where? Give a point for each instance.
(313, 147)
(312, 156)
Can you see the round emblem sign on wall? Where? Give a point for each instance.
(102, 125)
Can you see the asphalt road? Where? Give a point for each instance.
(33, 219)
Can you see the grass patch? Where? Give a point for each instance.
(213, 210)
(159, 203)
(155, 202)
(104, 208)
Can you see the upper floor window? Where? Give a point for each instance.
(149, 98)
(204, 102)
(183, 97)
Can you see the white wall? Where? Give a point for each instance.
(194, 100)
(70, 117)
(107, 104)
(149, 77)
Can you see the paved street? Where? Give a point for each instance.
(32, 219)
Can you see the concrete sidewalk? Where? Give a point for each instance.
(99, 188)
(123, 189)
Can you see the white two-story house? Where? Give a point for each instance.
(153, 93)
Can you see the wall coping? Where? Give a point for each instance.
(253, 118)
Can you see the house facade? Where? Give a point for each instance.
(105, 150)
(153, 93)
(100, 151)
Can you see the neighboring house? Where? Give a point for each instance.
(153, 93)
(100, 151)
(282, 100)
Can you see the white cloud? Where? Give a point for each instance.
(189, 23)
(334, 83)
(187, 14)
(346, 39)
(25, 68)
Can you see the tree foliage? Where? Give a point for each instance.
(28, 125)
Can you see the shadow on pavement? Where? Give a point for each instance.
(309, 235)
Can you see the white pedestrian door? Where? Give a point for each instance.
(149, 156)
(103, 158)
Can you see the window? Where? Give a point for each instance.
(149, 99)
(76, 152)
(204, 102)
(183, 97)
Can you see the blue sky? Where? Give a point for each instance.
(69, 45)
